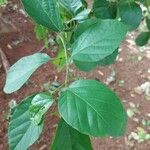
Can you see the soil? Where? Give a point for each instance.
(131, 68)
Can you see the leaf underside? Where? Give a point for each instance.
(67, 138)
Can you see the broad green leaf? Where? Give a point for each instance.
(39, 106)
(20, 72)
(142, 38)
(131, 14)
(44, 12)
(23, 132)
(105, 9)
(72, 5)
(99, 40)
(83, 65)
(148, 23)
(93, 109)
(67, 138)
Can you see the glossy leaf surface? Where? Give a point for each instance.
(99, 40)
(44, 12)
(93, 109)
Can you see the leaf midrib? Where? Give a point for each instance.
(91, 107)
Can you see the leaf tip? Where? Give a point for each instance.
(6, 90)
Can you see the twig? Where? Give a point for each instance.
(5, 61)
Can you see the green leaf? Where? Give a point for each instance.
(148, 23)
(39, 106)
(142, 38)
(99, 40)
(105, 9)
(109, 59)
(131, 14)
(67, 138)
(85, 66)
(81, 29)
(44, 12)
(93, 109)
(20, 72)
(23, 132)
(88, 66)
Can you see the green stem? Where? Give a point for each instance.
(66, 58)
